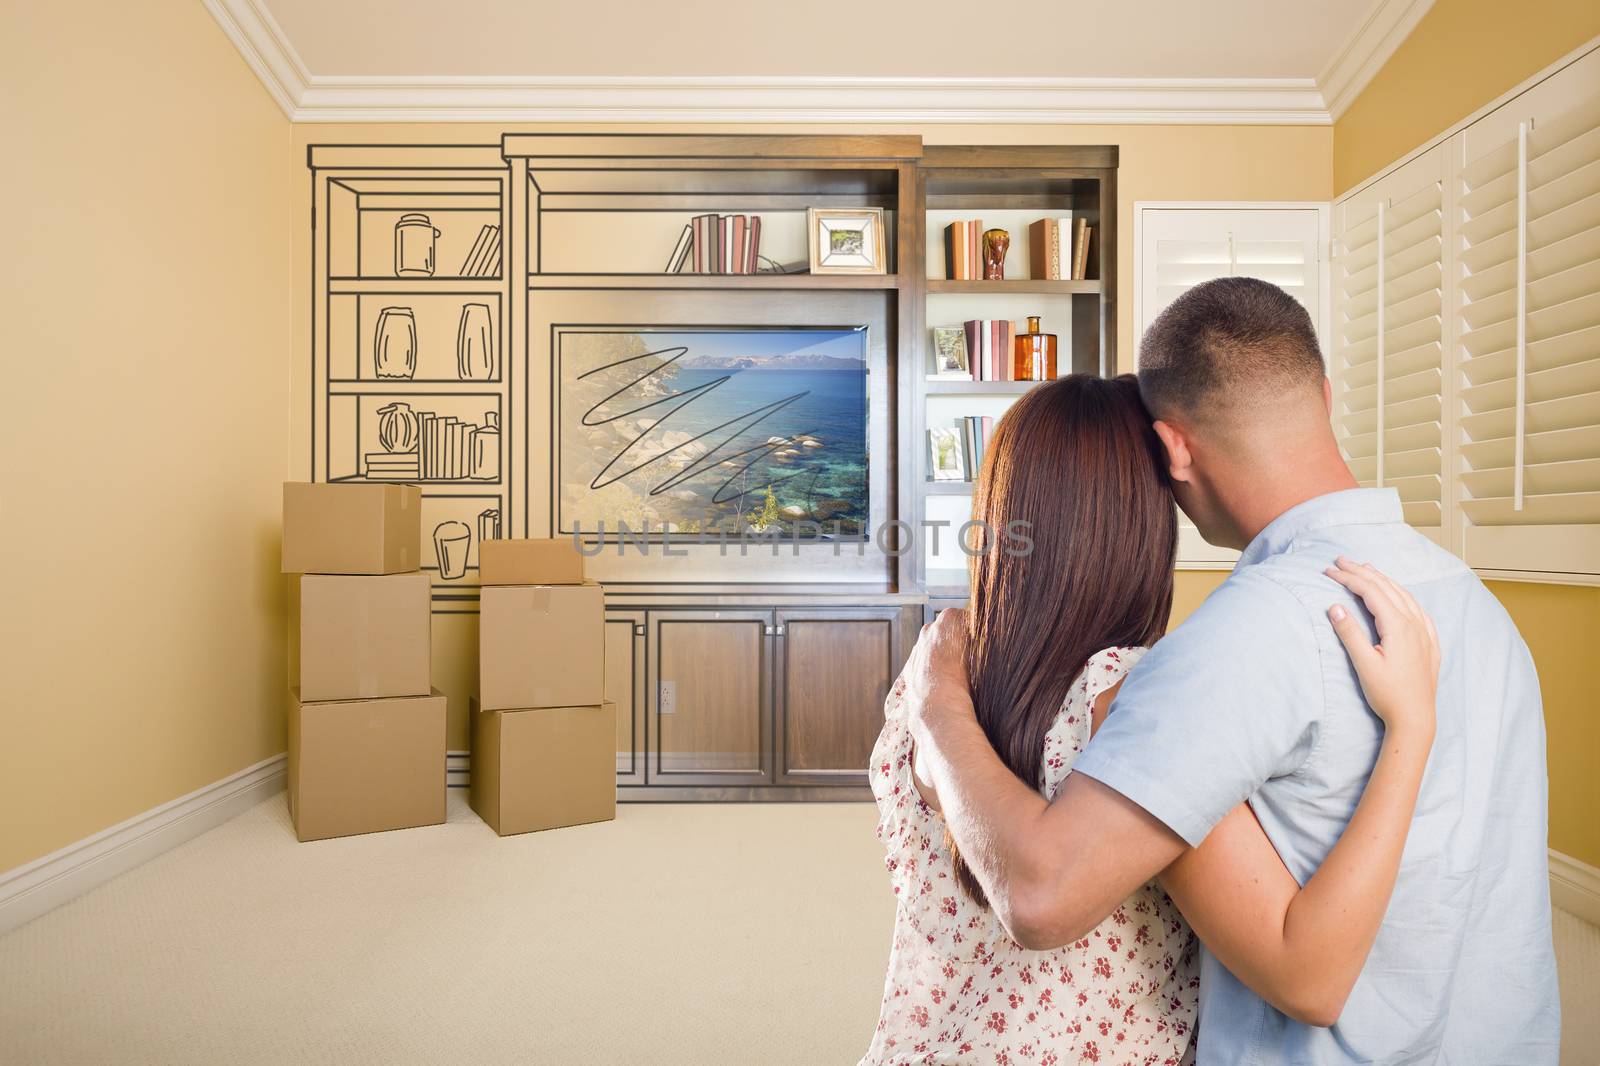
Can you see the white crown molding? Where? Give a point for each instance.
(307, 97)
(1387, 25)
(265, 48)
(811, 99)
(29, 891)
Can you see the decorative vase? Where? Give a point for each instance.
(475, 344)
(394, 345)
(995, 243)
(397, 428)
(485, 464)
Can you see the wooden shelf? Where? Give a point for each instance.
(411, 387)
(1015, 286)
(977, 388)
(416, 286)
(880, 282)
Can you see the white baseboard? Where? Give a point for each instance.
(1575, 887)
(29, 891)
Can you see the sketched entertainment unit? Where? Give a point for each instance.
(564, 329)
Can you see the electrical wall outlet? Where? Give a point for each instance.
(667, 701)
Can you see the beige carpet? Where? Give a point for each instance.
(677, 934)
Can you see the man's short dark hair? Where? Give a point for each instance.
(1225, 345)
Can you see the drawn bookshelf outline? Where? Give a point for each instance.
(412, 365)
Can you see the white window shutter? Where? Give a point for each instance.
(1528, 272)
(1181, 246)
(1389, 338)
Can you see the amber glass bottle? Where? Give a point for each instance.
(1035, 354)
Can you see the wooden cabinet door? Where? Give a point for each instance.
(835, 668)
(625, 686)
(710, 697)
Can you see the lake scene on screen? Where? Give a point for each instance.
(699, 431)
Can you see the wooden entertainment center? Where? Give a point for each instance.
(760, 678)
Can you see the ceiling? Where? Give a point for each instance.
(879, 60)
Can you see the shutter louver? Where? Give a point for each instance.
(1528, 263)
(1389, 339)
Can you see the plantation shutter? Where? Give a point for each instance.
(1528, 272)
(1389, 338)
(1181, 247)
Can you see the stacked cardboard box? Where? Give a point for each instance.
(543, 737)
(366, 727)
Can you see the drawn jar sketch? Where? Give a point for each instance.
(397, 428)
(394, 344)
(475, 344)
(414, 238)
(486, 449)
(451, 543)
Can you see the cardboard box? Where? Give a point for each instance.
(364, 766)
(541, 646)
(544, 768)
(351, 529)
(364, 636)
(530, 562)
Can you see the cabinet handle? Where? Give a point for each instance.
(771, 630)
(638, 629)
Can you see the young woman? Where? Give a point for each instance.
(1074, 584)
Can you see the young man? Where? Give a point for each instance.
(1253, 698)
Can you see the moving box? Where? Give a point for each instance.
(351, 529)
(363, 766)
(530, 562)
(544, 767)
(365, 636)
(541, 646)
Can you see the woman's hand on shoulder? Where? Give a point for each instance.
(1400, 674)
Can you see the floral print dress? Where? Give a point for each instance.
(960, 990)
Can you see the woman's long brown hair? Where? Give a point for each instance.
(1075, 468)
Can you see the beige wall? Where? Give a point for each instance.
(146, 316)
(1462, 55)
(1559, 622)
(1157, 163)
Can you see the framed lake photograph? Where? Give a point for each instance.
(706, 430)
(846, 240)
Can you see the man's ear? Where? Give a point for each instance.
(1327, 395)
(1179, 463)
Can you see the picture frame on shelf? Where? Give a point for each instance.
(950, 360)
(944, 455)
(846, 240)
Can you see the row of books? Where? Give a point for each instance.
(955, 453)
(991, 344)
(484, 259)
(1058, 248)
(963, 250)
(718, 244)
(448, 449)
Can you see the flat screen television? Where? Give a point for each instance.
(678, 432)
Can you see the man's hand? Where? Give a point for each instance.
(936, 676)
